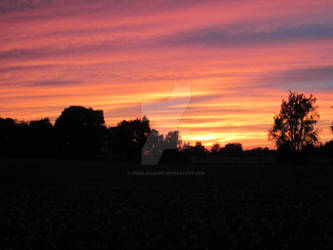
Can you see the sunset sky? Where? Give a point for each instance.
(237, 58)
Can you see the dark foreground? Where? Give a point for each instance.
(63, 204)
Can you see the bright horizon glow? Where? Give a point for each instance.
(239, 57)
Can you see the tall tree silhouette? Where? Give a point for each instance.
(80, 131)
(294, 127)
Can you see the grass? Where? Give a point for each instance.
(72, 204)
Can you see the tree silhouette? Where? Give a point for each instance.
(7, 133)
(127, 139)
(153, 147)
(172, 140)
(215, 148)
(294, 126)
(258, 151)
(232, 149)
(161, 149)
(21, 140)
(41, 139)
(199, 151)
(80, 131)
(199, 148)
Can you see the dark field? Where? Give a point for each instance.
(68, 204)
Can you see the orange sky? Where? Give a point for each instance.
(239, 59)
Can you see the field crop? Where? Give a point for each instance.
(68, 204)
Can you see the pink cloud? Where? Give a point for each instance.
(240, 58)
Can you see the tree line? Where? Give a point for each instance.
(81, 132)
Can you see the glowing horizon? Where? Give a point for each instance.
(240, 59)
